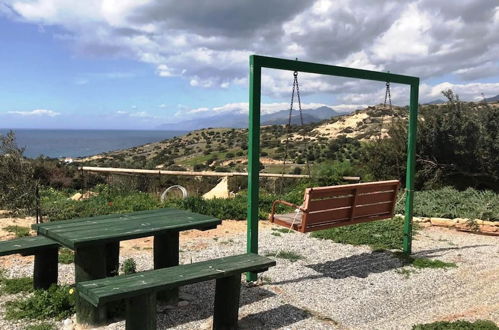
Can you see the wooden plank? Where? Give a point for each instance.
(74, 224)
(26, 245)
(344, 201)
(328, 215)
(373, 209)
(348, 189)
(183, 173)
(344, 222)
(122, 222)
(77, 232)
(96, 235)
(108, 289)
(329, 203)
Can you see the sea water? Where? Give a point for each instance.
(61, 143)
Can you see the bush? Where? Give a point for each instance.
(379, 235)
(129, 266)
(66, 256)
(457, 325)
(41, 326)
(16, 285)
(17, 191)
(56, 302)
(19, 231)
(451, 203)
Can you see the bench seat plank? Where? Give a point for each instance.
(26, 245)
(109, 289)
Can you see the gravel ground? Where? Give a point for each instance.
(334, 286)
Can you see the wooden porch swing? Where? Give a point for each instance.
(334, 206)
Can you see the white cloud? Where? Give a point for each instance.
(208, 43)
(36, 113)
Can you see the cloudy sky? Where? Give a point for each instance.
(140, 63)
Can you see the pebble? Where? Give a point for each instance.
(335, 286)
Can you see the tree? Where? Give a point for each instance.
(17, 182)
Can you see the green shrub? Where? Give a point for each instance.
(66, 256)
(457, 325)
(57, 206)
(451, 203)
(379, 235)
(129, 266)
(56, 302)
(288, 255)
(41, 326)
(19, 231)
(16, 285)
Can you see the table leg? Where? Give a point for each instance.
(46, 268)
(166, 255)
(112, 258)
(90, 264)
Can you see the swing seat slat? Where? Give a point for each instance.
(334, 206)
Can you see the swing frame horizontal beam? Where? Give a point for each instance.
(258, 62)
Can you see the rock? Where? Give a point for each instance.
(67, 324)
(76, 197)
(443, 222)
(183, 303)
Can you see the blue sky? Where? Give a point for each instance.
(138, 64)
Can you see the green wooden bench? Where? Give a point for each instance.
(45, 251)
(140, 289)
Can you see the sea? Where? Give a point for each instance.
(62, 143)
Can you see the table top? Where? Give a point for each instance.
(117, 227)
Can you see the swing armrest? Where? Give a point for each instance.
(271, 217)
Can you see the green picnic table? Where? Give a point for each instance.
(95, 241)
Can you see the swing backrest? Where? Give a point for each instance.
(334, 206)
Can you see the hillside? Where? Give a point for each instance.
(225, 149)
(240, 120)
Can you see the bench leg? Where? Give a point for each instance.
(46, 268)
(166, 255)
(90, 264)
(226, 311)
(141, 312)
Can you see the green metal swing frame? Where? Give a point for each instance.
(256, 64)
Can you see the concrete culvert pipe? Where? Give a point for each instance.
(179, 187)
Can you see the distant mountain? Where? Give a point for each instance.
(492, 99)
(439, 101)
(241, 120)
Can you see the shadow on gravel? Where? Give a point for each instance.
(360, 265)
(437, 252)
(200, 298)
(274, 318)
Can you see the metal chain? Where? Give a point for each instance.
(296, 87)
(388, 95)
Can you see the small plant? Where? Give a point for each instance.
(457, 325)
(56, 302)
(420, 263)
(129, 266)
(19, 231)
(275, 234)
(16, 285)
(379, 235)
(66, 256)
(289, 255)
(283, 230)
(41, 326)
(428, 263)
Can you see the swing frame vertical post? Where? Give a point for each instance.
(253, 160)
(256, 64)
(411, 167)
